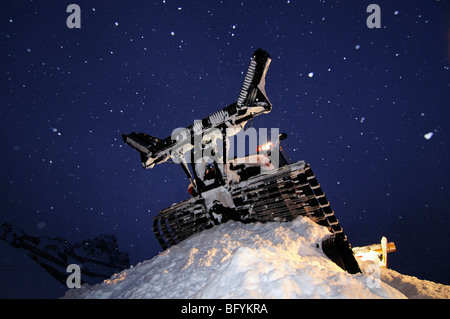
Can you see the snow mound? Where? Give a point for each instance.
(235, 260)
(415, 288)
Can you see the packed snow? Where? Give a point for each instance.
(256, 261)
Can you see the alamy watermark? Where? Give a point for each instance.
(374, 19)
(373, 273)
(74, 19)
(215, 144)
(74, 279)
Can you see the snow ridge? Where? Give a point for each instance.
(235, 260)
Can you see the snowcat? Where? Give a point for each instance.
(264, 187)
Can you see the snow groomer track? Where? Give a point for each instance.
(277, 196)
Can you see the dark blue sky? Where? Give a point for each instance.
(151, 66)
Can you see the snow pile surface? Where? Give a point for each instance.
(413, 287)
(237, 260)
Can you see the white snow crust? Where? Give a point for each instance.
(255, 261)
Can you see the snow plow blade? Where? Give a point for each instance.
(141, 142)
(275, 196)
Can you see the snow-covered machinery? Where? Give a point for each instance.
(376, 253)
(264, 187)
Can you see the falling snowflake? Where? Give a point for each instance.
(428, 135)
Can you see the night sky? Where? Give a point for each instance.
(368, 109)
